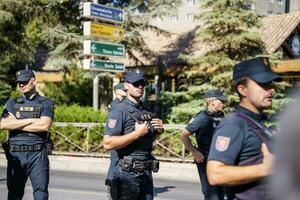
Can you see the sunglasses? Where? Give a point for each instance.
(139, 83)
(23, 82)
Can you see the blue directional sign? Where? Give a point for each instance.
(98, 11)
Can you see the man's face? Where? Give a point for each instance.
(26, 86)
(259, 95)
(216, 105)
(136, 89)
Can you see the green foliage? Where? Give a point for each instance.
(76, 113)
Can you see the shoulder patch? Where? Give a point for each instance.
(112, 123)
(222, 143)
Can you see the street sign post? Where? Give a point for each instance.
(103, 49)
(92, 10)
(103, 31)
(103, 65)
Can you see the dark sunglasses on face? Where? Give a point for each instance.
(138, 83)
(23, 82)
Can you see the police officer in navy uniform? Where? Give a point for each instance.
(28, 119)
(120, 92)
(240, 155)
(131, 130)
(203, 126)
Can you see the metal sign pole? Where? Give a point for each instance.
(96, 91)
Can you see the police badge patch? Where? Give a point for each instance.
(112, 123)
(18, 114)
(222, 143)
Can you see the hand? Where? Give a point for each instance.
(268, 160)
(141, 129)
(157, 124)
(199, 158)
(9, 116)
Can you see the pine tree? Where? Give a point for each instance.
(230, 35)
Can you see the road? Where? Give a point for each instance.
(85, 186)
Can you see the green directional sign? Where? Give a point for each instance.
(103, 48)
(103, 65)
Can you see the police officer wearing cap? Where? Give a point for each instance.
(28, 119)
(240, 155)
(203, 125)
(131, 130)
(120, 92)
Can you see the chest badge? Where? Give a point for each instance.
(18, 114)
(222, 143)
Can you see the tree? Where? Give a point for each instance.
(230, 35)
(35, 33)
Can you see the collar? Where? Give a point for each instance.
(255, 116)
(136, 105)
(32, 98)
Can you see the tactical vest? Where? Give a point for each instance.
(204, 136)
(257, 189)
(143, 145)
(23, 110)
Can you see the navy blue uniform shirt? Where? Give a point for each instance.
(47, 108)
(234, 141)
(203, 126)
(120, 123)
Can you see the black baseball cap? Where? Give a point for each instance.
(258, 69)
(215, 93)
(24, 75)
(134, 75)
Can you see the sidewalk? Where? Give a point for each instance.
(168, 170)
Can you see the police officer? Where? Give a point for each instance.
(28, 119)
(203, 126)
(120, 92)
(131, 130)
(240, 155)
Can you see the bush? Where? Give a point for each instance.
(76, 113)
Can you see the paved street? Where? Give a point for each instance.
(85, 186)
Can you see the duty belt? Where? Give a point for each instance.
(25, 148)
(127, 164)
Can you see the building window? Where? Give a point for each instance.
(191, 2)
(190, 16)
(174, 18)
(271, 1)
(280, 2)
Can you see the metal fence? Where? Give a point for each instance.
(86, 148)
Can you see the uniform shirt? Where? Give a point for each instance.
(115, 102)
(47, 109)
(234, 141)
(120, 122)
(203, 126)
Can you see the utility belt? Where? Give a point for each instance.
(26, 148)
(128, 164)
